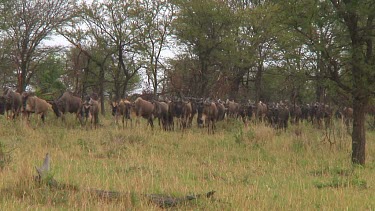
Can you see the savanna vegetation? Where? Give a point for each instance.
(301, 51)
(250, 168)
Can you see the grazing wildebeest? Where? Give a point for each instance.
(145, 109)
(13, 103)
(209, 115)
(261, 110)
(161, 111)
(34, 104)
(123, 109)
(67, 102)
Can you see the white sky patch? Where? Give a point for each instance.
(56, 40)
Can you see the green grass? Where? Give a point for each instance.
(250, 168)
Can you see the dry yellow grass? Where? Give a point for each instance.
(250, 168)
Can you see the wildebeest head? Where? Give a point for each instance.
(25, 97)
(114, 107)
(55, 108)
(176, 108)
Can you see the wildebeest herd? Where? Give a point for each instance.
(172, 114)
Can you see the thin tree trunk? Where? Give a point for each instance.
(258, 82)
(101, 89)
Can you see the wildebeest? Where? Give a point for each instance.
(2, 105)
(320, 112)
(261, 110)
(161, 111)
(144, 109)
(282, 116)
(123, 109)
(246, 112)
(176, 111)
(68, 103)
(186, 114)
(295, 113)
(347, 116)
(232, 108)
(220, 110)
(34, 104)
(13, 103)
(94, 112)
(305, 112)
(272, 114)
(209, 115)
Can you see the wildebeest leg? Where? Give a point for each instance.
(123, 122)
(43, 117)
(151, 122)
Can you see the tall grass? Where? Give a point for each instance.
(250, 168)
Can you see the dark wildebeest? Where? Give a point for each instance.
(322, 112)
(36, 105)
(68, 103)
(305, 110)
(272, 114)
(209, 116)
(13, 103)
(2, 105)
(246, 112)
(145, 109)
(161, 111)
(123, 109)
(295, 113)
(371, 111)
(193, 112)
(176, 111)
(282, 116)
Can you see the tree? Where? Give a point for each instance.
(27, 23)
(48, 81)
(205, 28)
(344, 54)
(156, 18)
(358, 18)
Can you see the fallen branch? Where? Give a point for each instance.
(165, 201)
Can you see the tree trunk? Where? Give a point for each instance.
(101, 89)
(360, 100)
(258, 82)
(359, 132)
(203, 80)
